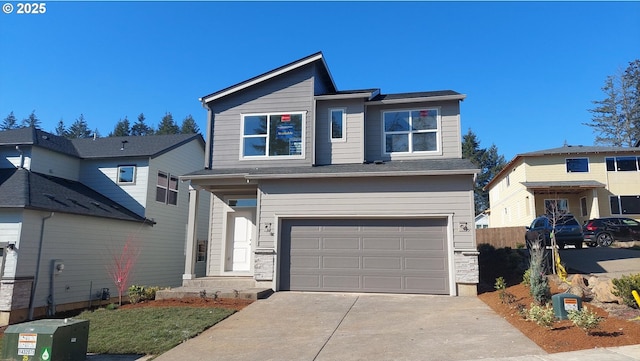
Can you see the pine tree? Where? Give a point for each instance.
(121, 129)
(140, 128)
(79, 129)
(488, 161)
(10, 122)
(31, 121)
(616, 118)
(167, 125)
(61, 130)
(189, 126)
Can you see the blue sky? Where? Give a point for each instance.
(529, 69)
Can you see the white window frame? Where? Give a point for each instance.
(566, 165)
(268, 135)
(437, 131)
(135, 171)
(168, 188)
(344, 125)
(558, 203)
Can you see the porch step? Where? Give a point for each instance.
(232, 283)
(253, 293)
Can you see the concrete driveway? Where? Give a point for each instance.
(612, 262)
(326, 326)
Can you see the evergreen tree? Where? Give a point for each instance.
(616, 118)
(60, 129)
(10, 122)
(121, 129)
(488, 161)
(189, 126)
(31, 121)
(140, 128)
(167, 125)
(79, 129)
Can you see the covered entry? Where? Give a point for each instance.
(365, 255)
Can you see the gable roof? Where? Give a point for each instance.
(89, 148)
(564, 150)
(21, 188)
(317, 57)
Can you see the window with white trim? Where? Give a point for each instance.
(273, 135)
(575, 165)
(201, 254)
(625, 204)
(167, 188)
(126, 174)
(556, 206)
(411, 131)
(623, 164)
(337, 124)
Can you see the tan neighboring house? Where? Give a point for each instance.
(586, 181)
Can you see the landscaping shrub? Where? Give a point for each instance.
(538, 282)
(142, 293)
(541, 315)
(585, 319)
(502, 262)
(623, 287)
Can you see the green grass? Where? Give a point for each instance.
(147, 330)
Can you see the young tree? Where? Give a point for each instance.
(189, 126)
(79, 129)
(616, 118)
(140, 128)
(122, 263)
(167, 125)
(61, 130)
(10, 122)
(31, 121)
(121, 129)
(488, 161)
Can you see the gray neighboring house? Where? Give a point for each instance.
(319, 189)
(68, 206)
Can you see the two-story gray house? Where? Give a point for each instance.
(319, 189)
(68, 207)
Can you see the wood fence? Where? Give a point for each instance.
(501, 237)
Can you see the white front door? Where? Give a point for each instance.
(241, 226)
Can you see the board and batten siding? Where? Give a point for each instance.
(351, 150)
(376, 197)
(291, 93)
(449, 133)
(102, 175)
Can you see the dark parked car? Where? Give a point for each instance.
(567, 230)
(603, 231)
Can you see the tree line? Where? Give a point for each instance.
(80, 127)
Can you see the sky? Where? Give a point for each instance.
(530, 70)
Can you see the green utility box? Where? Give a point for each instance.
(46, 340)
(565, 302)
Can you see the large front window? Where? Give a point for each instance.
(623, 164)
(625, 204)
(411, 131)
(272, 135)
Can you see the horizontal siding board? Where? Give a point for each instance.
(340, 152)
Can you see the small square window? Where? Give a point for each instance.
(126, 174)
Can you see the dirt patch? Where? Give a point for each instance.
(617, 328)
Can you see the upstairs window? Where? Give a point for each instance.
(623, 164)
(338, 122)
(575, 165)
(273, 135)
(411, 131)
(167, 188)
(126, 174)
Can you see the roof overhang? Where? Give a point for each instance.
(346, 95)
(418, 99)
(562, 187)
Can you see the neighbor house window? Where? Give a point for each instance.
(126, 174)
(201, 255)
(623, 164)
(338, 121)
(411, 131)
(625, 204)
(556, 206)
(583, 206)
(272, 135)
(577, 165)
(167, 188)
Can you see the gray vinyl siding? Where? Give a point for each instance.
(290, 93)
(102, 175)
(54, 164)
(340, 152)
(373, 197)
(216, 236)
(449, 134)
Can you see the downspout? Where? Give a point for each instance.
(21, 161)
(35, 279)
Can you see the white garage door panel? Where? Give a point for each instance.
(365, 255)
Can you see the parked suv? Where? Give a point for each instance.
(567, 230)
(603, 231)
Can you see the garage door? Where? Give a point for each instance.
(365, 255)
